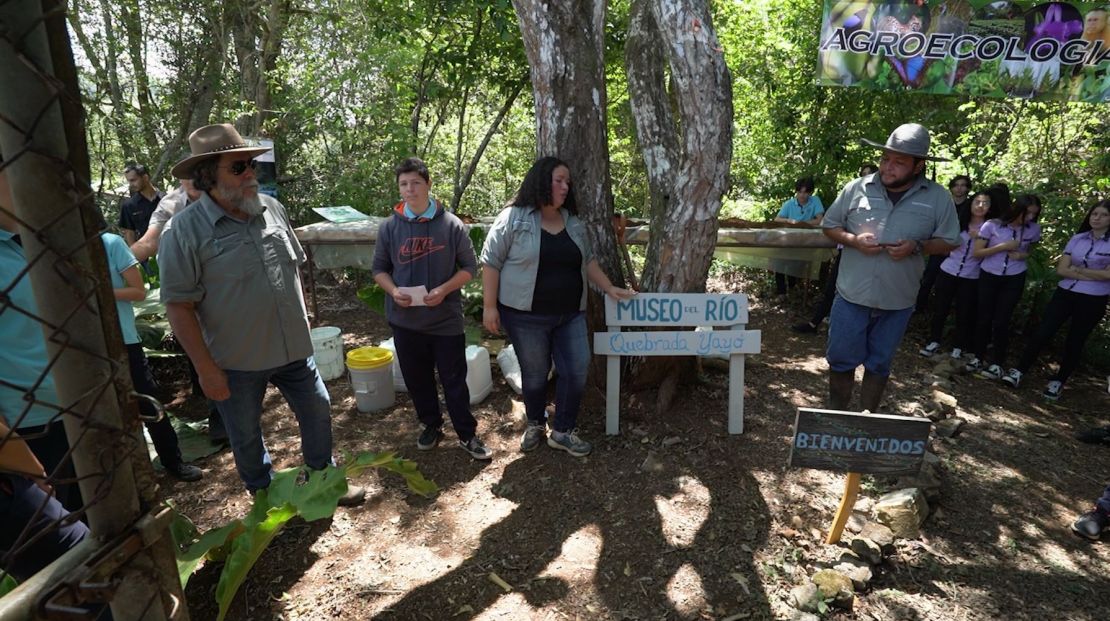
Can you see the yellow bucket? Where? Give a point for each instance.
(366, 358)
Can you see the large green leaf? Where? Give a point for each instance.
(373, 297)
(245, 550)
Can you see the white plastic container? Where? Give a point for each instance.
(479, 379)
(398, 379)
(370, 378)
(510, 368)
(327, 350)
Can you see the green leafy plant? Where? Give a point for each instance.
(153, 327)
(240, 543)
(7, 585)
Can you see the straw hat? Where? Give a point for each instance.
(213, 141)
(909, 139)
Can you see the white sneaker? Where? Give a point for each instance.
(957, 353)
(1013, 378)
(1052, 391)
(992, 372)
(929, 349)
(973, 366)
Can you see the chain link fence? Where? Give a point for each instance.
(65, 390)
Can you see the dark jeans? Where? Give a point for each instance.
(824, 306)
(161, 432)
(783, 282)
(24, 505)
(420, 355)
(537, 340)
(1085, 312)
(1103, 501)
(998, 297)
(965, 293)
(928, 279)
(50, 445)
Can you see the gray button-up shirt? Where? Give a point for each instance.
(243, 279)
(925, 211)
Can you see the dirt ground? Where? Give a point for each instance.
(674, 518)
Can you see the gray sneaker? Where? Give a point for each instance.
(532, 437)
(569, 442)
(476, 449)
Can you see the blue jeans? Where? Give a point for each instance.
(537, 340)
(862, 335)
(300, 384)
(24, 505)
(1103, 502)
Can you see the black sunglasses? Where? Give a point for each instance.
(239, 167)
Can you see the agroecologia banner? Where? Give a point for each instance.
(1030, 50)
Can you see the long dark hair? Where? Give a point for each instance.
(1001, 201)
(1086, 226)
(1016, 211)
(535, 190)
(963, 212)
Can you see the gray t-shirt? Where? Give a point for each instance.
(168, 206)
(925, 211)
(243, 278)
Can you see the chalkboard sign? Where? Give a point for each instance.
(863, 443)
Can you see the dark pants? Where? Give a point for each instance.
(161, 432)
(824, 305)
(50, 445)
(998, 297)
(30, 518)
(965, 293)
(420, 356)
(783, 282)
(1103, 501)
(928, 279)
(1085, 312)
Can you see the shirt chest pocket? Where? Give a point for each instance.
(277, 247)
(525, 244)
(227, 258)
(913, 222)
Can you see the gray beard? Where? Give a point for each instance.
(251, 206)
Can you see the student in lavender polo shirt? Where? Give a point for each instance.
(1004, 244)
(1082, 295)
(886, 222)
(423, 245)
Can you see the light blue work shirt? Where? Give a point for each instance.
(23, 356)
(121, 259)
(794, 211)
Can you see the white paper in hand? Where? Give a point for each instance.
(416, 293)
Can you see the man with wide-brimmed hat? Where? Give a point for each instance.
(886, 221)
(230, 282)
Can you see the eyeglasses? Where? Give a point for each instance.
(239, 167)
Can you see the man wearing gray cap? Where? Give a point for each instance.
(886, 221)
(233, 297)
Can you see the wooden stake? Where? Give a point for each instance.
(851, 490)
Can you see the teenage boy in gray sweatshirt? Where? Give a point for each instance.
(423, 245)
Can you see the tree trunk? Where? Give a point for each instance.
(564, 42)
(687, 158)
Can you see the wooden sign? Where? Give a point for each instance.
(688, 343)
(678, 309)
(862, 443)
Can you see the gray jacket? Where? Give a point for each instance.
(513, 248)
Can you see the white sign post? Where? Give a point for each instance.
(678, 310)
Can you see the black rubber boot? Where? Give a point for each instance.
(871, 391)
(841, 384)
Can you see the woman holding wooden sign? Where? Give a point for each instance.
(535, 264)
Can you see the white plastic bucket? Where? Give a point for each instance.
(327, 349)
(479, 380)
(398, 379)
(371, 380)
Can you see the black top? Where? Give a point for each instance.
(559, 276)
(134, 212)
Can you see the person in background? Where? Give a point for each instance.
(230, 282)
(1081, 296)
(958, 187)
(423, 245)
(825, 304)
(536, 263)
(135, 211)
(885, 223)
(803, 208)
(959, 280)
(127, 286)
(1003, 245)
